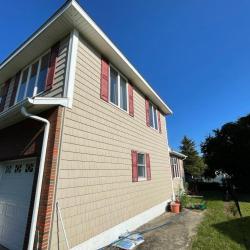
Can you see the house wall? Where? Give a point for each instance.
(94, 188)
(60, 71)
(57, 89)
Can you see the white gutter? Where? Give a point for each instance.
(40, 175)
(178, 154)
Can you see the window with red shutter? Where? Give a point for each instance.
(131, 99)
(104, 80)
(134, 166)
(148, 167)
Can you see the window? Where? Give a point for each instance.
(141, 166)
(123, 93)
(118, 89)
(44, 64)
(153, 116)
(33, 78)
(22, 85)
(113, 86)
(175, 167)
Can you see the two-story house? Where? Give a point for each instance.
(83, 142)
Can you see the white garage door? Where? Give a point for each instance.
(16, 180)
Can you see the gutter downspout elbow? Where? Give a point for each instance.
(40, 174)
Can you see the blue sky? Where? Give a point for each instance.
(195, 54)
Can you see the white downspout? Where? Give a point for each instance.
(40, 175)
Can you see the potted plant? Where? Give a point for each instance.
(175, 207)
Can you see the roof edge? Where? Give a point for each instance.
(164, 107)
(35, 33)
(173, 152)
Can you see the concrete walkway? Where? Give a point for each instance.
(177, 234)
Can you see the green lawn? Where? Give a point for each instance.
(220, 229)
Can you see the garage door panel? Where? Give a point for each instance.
(16, 181)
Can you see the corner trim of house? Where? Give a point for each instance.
(112, 234)
(71, 66)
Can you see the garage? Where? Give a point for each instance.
(16, 182)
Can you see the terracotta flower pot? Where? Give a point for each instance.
(175, 208)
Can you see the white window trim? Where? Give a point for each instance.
(119, 75)
(140, 178)
(39, 60)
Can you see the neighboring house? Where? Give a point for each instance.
(83, 142)
(177, 169)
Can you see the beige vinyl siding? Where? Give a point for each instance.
(95, 189)
(60, 71)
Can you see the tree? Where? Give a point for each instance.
(227, 150)
(193, 164)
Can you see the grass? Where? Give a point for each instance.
(221, 229)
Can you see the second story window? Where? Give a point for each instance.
(118, 89)
(22, 85)
(153, 116)
(44, 64)
(33, 78)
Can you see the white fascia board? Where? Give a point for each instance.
(118, 52)
(35, 105)
(48, 101)
(71, 67)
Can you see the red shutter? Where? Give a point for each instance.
(15, 87)
(159, 121)
(134, 166)
(104, 80)
(148, 167)
(147, 112)
(52, 64)
(3, 94)
(131, 99)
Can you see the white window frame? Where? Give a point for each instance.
(155, 122)
(39, 60)
(119, 75)
(140, 178)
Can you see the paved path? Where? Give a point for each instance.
(176, 235)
